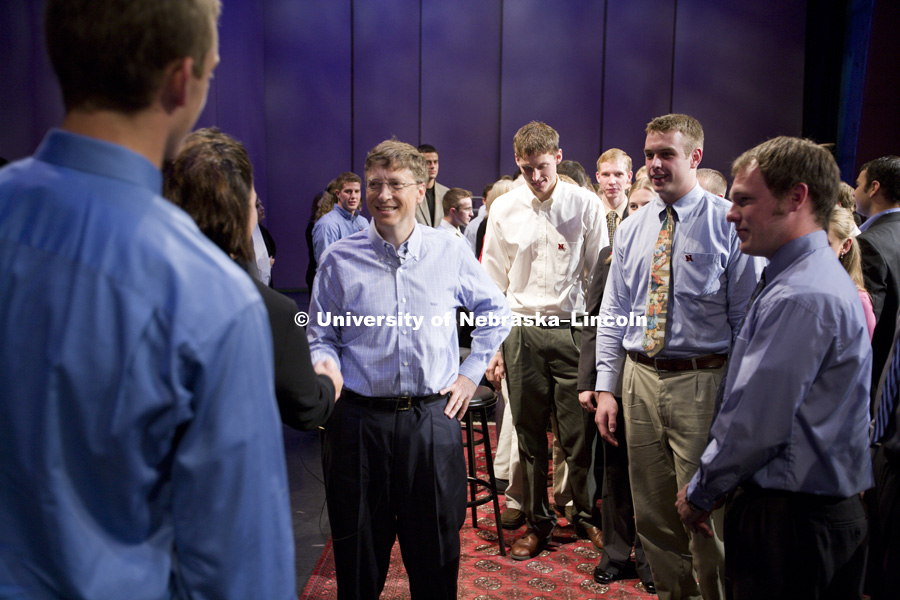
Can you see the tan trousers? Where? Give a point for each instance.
(667, 418)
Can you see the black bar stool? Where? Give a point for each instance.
(483, 399)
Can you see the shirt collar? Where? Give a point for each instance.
(82, 153)
(411, 248)
(787, 254)
(548, 203)
(685, 206)
(871, 220)
(344, 212)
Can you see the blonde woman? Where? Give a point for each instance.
(844, 244)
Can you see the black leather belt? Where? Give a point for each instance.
(389, 403)
(709, 361)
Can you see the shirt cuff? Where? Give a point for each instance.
(320, 355)
(606, 382)
(699, 497)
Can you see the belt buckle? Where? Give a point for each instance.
(656, 365)
(405, 403)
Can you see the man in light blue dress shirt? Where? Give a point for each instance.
(384, 308)
(140, 444)
(344, 219)
(789, 446)
(669, 399)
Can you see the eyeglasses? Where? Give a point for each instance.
(375, 185)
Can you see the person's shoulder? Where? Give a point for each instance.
(507, 201)
(326, 222)
(443, 240)
(815, 279)
(276, 302)
(717, 203)
(882, 235)
(637, 219)
(346, 248)
(204, 285)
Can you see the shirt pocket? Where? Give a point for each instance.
(698, 273)
(567, 253)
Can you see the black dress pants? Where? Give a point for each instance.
(883, 502)
(619, 534)
(395, 475)
(792, 545)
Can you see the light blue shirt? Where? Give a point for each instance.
(337, 224)
(140, 444)
(420, 287)
(711, 283)
(795, 414)
(471, 232)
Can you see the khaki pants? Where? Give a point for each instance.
(667, 418)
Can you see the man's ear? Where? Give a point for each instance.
(798, 196)
(421, 190)
(874, 186)
(559, 156)
(696, 156)
(176, 79)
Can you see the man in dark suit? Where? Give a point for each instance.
(883, 501)
(431, 211)
(877, 196)
(610, 462)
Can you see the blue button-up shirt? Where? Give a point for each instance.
(140, 444)
(711, 283)
(337, 224)
(398, 333)
(795, 414)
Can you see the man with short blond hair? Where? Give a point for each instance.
(712, 181)
(542, 242)
(614, 179)
(141, 453)
(678, 270)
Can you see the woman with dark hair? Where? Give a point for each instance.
(212, 180)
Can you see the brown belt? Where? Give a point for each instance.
(709, 361)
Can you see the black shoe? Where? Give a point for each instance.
(613, 573)
(649, 586)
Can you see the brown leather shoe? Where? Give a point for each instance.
(528, 546)
(594, 534)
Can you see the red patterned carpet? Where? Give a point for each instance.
(562, 571)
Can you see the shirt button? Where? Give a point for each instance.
(403, 331)
(405, 364)
(403, 300)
